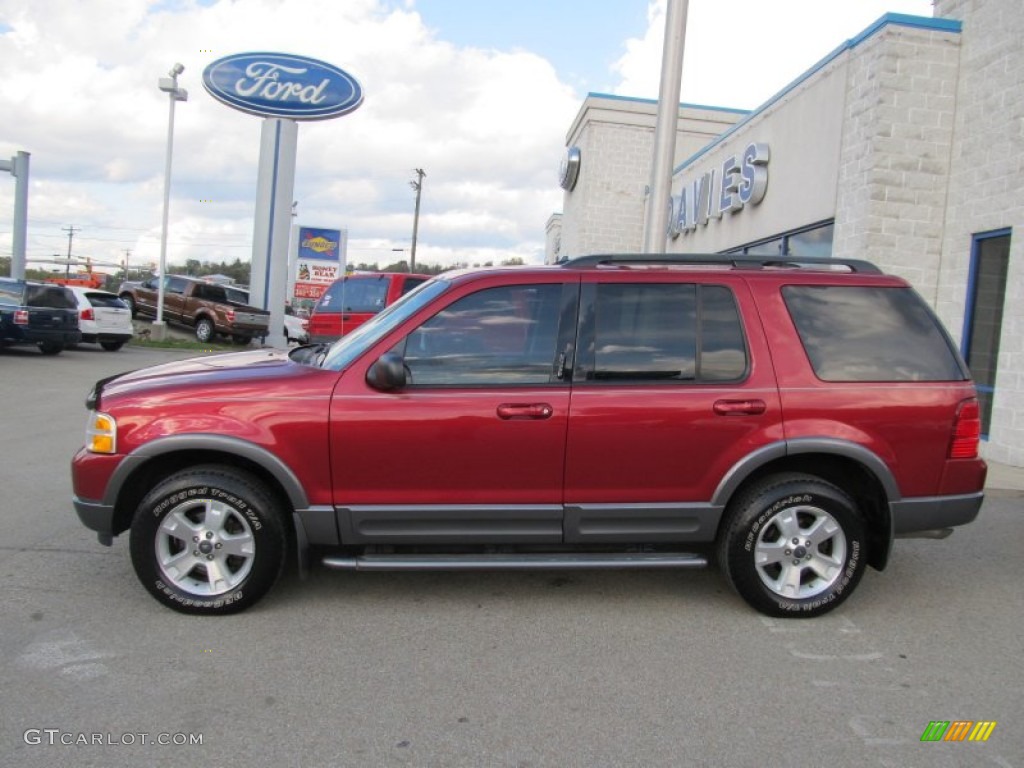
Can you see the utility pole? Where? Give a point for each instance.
(127, 255)
(418, 186)
(71, 233)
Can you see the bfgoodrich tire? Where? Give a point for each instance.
(794, 545)
(208, 541)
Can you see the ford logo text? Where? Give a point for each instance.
(282, 85)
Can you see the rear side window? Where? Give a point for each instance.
(105, 300)
(412, 282)
(662, 332)
(236, 295)
(208, 292)
(856, 333)
(50, 297)
(355, 295)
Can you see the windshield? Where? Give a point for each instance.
(349, 347)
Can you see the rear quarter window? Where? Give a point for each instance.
(858, 333)
(105, 300)
(50, 297)
(412, 282)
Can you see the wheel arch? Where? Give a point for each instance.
(858, 471)
(141, 470)
(205, 314)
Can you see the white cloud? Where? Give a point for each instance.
(79, 93)
(740, 53)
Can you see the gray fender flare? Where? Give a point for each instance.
(280, 471)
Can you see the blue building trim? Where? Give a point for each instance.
(686, 105)
(971, 300)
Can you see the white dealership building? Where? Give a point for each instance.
(904, 146)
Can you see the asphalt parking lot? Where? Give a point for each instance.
(653, 668)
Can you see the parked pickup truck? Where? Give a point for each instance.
(206, 307)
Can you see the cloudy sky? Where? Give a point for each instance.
(479, 95)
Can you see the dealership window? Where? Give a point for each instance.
(983, 319)
(814, 241)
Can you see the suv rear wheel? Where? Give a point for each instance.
(207, 540)
(794, 545)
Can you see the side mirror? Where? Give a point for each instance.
(388, 373)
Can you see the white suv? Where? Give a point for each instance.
(103, 318)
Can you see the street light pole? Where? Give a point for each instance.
(666, 124)
(418, 186)
(168, 85)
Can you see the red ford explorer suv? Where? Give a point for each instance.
(786, 421)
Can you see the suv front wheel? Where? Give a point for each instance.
(794, 545)
(208, 540)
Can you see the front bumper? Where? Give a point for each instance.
(33, 335)
(96, 516)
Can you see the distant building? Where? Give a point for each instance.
(905, 146)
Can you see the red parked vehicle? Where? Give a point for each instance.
(787, 421)
(352, 300)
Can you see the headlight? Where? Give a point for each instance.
(101, 433)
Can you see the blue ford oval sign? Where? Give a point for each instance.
(282, 85)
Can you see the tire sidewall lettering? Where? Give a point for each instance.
(768, 514)
(221, 601)
(213, 494)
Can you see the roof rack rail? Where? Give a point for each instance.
(739, 261)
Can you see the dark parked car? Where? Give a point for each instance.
(787, 421)
(38, 313)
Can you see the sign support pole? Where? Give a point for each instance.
(18, 167)
(275, 188)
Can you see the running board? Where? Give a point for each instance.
(514, 562)
(934, 533)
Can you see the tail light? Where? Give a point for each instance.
(87, 314)
(966, 431)
(21, 317)
(230, 315)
